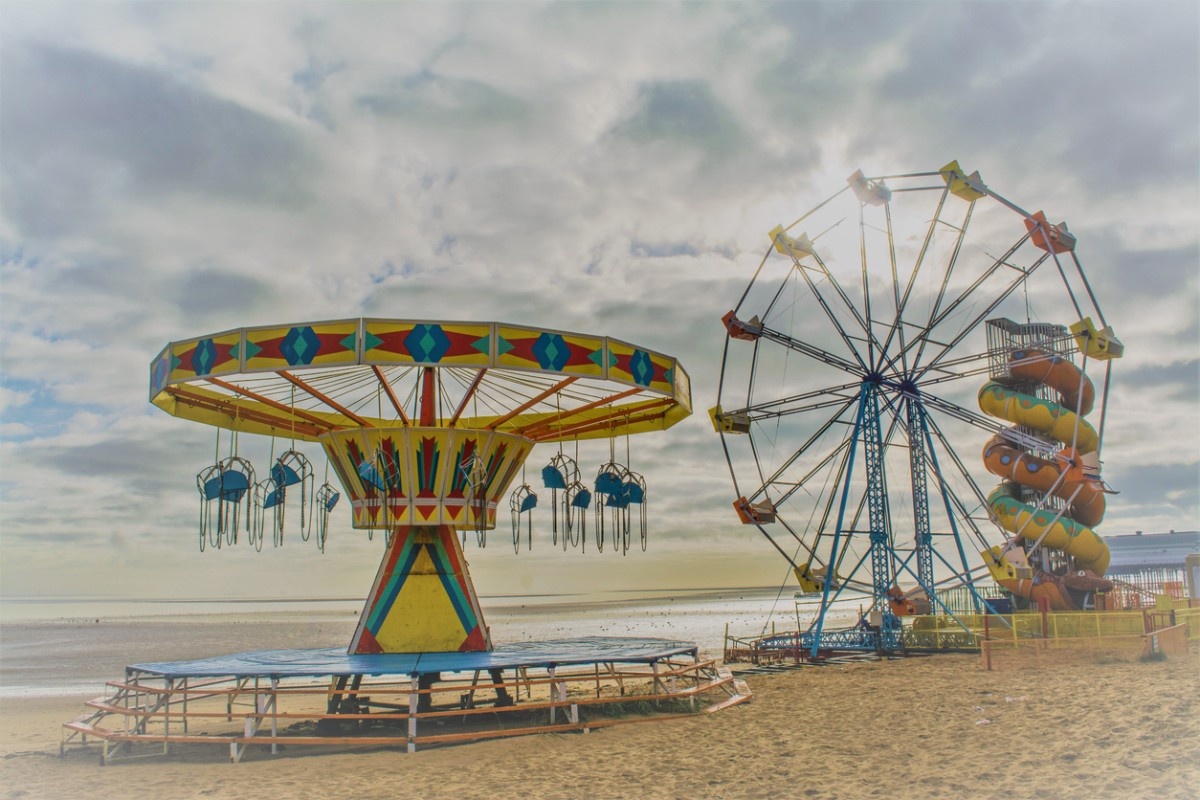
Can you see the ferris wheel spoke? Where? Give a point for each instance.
(953, 502)
(790, 558)
(784, 407)
(773, 411)
(936, 430)
(902, 301)
(977, 320)
(770, 307)
(950, 499)
(810, 350)
(776, 477)
(828, 494)
(966, 415)
(939, 315)
(863, 319)
(949, 370)
(846, 583)
(866, 281)
(872, 342)
(850, 582)
(801, 545)
(820, 534)
(829, 314)
(832, 495)
(833, 319)
(794, 486)
(955, 252)
(812, 550)
(897, 329)
(961, 573)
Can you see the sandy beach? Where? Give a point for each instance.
(931, 727)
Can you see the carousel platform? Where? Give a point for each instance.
(336, 661)
(330, 698)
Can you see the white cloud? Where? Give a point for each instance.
(176, 169)
(12, 399)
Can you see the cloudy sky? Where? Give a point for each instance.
(174, 169)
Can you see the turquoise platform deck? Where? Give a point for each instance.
(336, 661)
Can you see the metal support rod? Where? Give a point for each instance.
(920, 494)
(413, 702)
(837, 533)
(428, 413)
(877, 502)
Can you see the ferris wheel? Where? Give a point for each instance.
(877, 348)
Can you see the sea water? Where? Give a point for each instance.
(67, 646)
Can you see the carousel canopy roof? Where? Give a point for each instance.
(306, 380)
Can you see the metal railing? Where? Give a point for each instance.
(149, 715)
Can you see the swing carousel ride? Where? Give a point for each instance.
(426, 426)
(903, 317)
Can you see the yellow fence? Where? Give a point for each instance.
(1000, 654)
(1177, 612)
(1087, 629)
(1040, 639)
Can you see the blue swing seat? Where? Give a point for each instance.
(608, 483)
(371, 475)
(552, 478)
(283, 475)
(229, 486)
(582, 499)
(619, 499)
(274, 498)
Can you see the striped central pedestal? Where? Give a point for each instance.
(422, 600)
